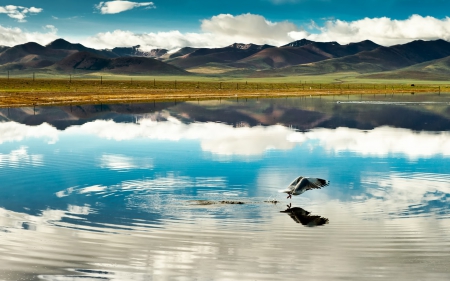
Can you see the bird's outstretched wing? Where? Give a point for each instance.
(296, 181)
(315, 183)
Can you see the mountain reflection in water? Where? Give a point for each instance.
(167, 191)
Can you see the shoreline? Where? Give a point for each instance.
(50, 92)
(25, 99)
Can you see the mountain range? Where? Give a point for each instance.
(417, 59)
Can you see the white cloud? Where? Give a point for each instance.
(167, 40)
(249, 28)
(18, 12)
(118, 6)
(218, 31)
(10, 36)
(384, 31)
(225, 29)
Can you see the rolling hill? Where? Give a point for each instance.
(137, 52)
(279, 57)
(61, 44)
(268, 57)
(303, 52)
(180, 52)
(377, 60)
(227, 54)
(3, 48)
(430, 70)
(85, 61)
(31, 55)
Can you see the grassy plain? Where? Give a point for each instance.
(99, 88)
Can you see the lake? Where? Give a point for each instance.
(190, 190)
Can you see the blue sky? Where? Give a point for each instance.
(108, 23)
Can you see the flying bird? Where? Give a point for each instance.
(302, 184)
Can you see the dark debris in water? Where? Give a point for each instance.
(210, 202)
(225, 202)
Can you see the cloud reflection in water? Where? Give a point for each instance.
(223, 139)
(123, 163)
(20, 157)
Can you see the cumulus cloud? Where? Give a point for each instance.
(167, 40)
(249, 28)
(18, 12)
(225, 29)
(384, 31)
(118, 6)
(218, 31)
(10, 36)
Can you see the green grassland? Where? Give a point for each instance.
(392, 77)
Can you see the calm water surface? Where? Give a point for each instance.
(133, 192)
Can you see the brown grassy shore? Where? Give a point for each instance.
(29, 92)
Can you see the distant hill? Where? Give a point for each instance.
(259, 57)
(181, 52)
(227, 54)
(299, 43)
(280, 57)
(431, 70)
(85, 61)
(335, 50)
(61, 44)
(303, 52)
(31, 55)
(377, 60)
(3, 48)
(137, 52)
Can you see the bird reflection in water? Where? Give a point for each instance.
(302, 216)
